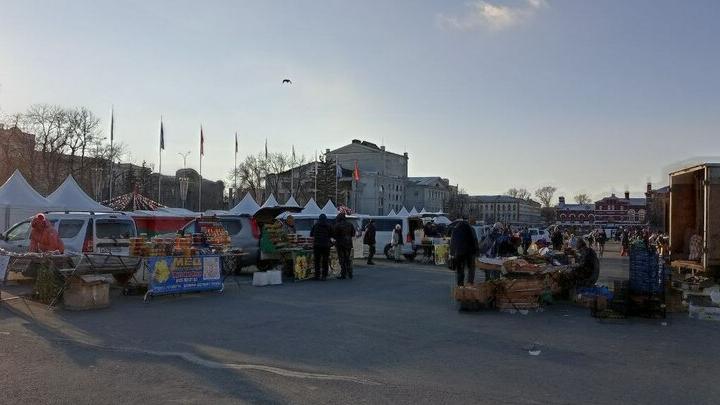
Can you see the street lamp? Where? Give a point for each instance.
(184, 182)
(184, 156)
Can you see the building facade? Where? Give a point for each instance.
(502, 208)
(658, 207)
(609, 211)
(428, 193)
(383, 176)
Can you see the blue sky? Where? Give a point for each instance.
(589, 96)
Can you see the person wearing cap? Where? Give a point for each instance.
(369, 239)
(344, 233)
(321, 233)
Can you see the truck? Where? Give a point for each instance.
(695, 210)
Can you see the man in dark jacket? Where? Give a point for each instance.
(344, 233)
(321, 233)
(369, 239)
(586, 269)
(463, 249)
(557, 239)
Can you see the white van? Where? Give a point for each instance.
(539, 234)
(384, 227)
(80, 231)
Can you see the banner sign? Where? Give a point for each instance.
(173, 275)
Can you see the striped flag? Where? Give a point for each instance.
(162, 135)
(356, 172)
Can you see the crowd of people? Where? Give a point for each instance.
(341, 235)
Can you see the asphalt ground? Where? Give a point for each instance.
(390, 335)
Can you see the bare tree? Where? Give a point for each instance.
(521, 193)
(49, 125)
(84, 128)
(582, 199)
(545, 195)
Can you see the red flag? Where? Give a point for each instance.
(356, 172)
(202, 142)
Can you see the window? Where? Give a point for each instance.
(114, 229)
(69, 228)
(232, 226)
(20, 232)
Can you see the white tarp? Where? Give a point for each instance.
(423, 211)
(413, 211)
(18, 201)
(403, 213)
(311, 208)
(271, 202)
(70, 197)
(246, 206)
(329, 209)
(292, 203)
(392, 213)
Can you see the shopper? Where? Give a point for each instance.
(463, 250)
(557, 239)
(397, 243)
(526, 239)
(369, 239)
(624, 243)
(344, 233)
(601, 239)
(587, 268)
(321, 233)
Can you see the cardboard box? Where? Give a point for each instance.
(87, 292)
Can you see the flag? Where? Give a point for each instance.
(112, 124)
(266, 154)
(202, 142)
(236, 144)
(356, 172)
(162, 136)
(338, 170)
(293, 154)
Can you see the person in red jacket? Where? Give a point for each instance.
(43, 237)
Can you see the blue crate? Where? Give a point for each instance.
(647, 271)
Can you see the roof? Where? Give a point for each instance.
(428, 181)
(500, 198)
(19, 193)
(69, 196)
(270, 202)
(246, 206)
(311, 208)
(368, 146)
(329, 208)
(576, 207)
(132, 201)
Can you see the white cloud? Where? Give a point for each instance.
(484, 14)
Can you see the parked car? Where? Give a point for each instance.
(539, 234)
(80, 231)
(243, 230)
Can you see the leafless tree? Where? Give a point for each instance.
(519, 193)
(545, 195)
(582, 199)
(49, 125)
(84, 128)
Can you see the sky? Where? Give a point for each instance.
(588, 96)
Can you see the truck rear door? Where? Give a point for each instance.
(712, 218)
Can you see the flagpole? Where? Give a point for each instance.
(160, 160)
(112, 136)
(201, 178)
(235, 171)
(316, 173)
(337, 165)
(292, 172)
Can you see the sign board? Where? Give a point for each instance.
(174, 275)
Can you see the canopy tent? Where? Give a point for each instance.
(70, 197)
(292, 203)
(403, 213)
(271, 202)
(133, 201)
(413, 211)
(423, 211)
(311, 208)
(246, 206)
(392, 213)
(329, 209)
(18, 201)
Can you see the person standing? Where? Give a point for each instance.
(557, 239)
(625, 243)
(397, 243)
(369, 239)
(463, 249)
(344, 233)
(321, 233)
(526, 239)
(601, 239)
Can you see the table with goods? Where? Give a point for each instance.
(187, 263)
(433, 250)
(293, 252)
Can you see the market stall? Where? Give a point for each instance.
(434, 250)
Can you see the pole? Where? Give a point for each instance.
(202, 151)
(235, 171)
(112, 136)
(316, 173)
(336, 179)
(160, 161)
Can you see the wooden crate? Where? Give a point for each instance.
(87, 292)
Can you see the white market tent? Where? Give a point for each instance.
(311, 208)
(392, 213)
(423, 211)
(70, 197)
(292, 203)
(413, 211)
(271, 202)
(329, 209)
(18, 201)
(403, 213)
(246, 206)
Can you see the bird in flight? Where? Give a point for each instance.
(286, 81)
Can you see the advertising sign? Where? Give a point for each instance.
(173, 275)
